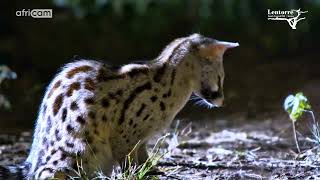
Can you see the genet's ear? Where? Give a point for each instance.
(216, 49)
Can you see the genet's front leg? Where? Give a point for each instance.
(141, 154)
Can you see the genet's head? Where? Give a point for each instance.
(209, 57)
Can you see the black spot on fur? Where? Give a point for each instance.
(135, 72)
(50, 170)
(103, 76)
(112, 96)
(48, 158)
(57, 104)
(73, 87)
(55, 86)
(89, 101)
(61, 149)
(89, 84)
(96, 132)
(69, 128)
(154, 98)
(133, 95)
(105, 103)
(53, 151)
(49, 124)
(162, 106)
(146, 117)
(92, 115)
(168, 94)
(81, 120)
(131, 122)
(86, 133)
(77, 70)
(55, 162)
(64, 114)
(39, 159)
(160, 73)
(119, 92)
(94, 124)
(69, 144)
(104, 118)
(173, 75)
(44, 109)
(140, 110)
(63, 156)
(44, 141)
(74, 106)
(56, 133)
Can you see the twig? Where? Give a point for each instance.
(295, 136)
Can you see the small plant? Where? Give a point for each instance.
(80, 172)
(296, 106)
(134, 172)
(130, 170)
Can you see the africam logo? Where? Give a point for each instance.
(292, 16)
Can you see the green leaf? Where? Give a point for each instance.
(296, 105)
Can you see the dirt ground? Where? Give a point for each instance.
(222, 150)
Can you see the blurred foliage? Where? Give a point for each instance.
(247, 17)
(5, 73)
(232, 8)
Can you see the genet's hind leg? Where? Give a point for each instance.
(45, 172)
(58, 159)
(62, 175)
(141, 154)
(62, 170)
(98, 158)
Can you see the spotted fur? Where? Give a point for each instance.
(97, 113)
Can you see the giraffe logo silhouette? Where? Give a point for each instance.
(292, 16)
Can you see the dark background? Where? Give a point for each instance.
(272, 61)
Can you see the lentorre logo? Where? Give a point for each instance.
(292, 16)
(35, 13)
